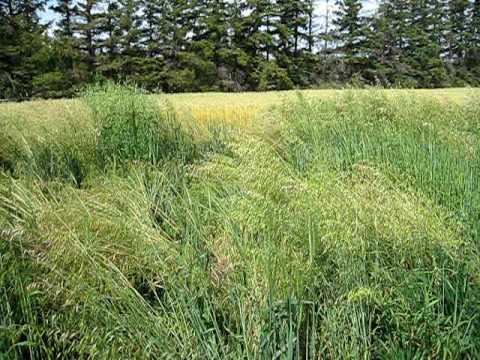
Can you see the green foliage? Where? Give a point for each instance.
(350, 28)
(19, 303)
(351, 231)
(50, 85)
(219, 45)
(409, 146)
(130, 127)
(65, 154)
(9, 152)
(63, 161)
(21, 41)
(413, 139)
(273, 77)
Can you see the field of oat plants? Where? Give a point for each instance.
(302, 225)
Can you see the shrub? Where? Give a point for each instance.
(274, 77)
(51, 85)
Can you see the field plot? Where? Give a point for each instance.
(315, 224)
(242, 108)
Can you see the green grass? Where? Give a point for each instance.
(341, 226)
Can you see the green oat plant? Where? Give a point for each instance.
(130, 126)
(342, 227)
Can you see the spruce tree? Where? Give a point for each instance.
(257, 28)
(292, 24)
(65, 12)
(258, 32)
(154, 41)
(457, 31)
(240, 59)
(423, 53)
(153, 11)
(212, 41)
(475, 24)
(310, 11)
(87, 29)
(472, 60)
(21, 43)
(130, 32)
(350, 34)
(393, 39)
(178, 26)
(67, 53)
(294, 27)
(110, 34)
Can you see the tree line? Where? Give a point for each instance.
(236, 45)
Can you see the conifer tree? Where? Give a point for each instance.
(350, 33)
(109, 42)
(458, 27)
(391, 34)
(240, 57)
(472, 60)
(21, 43)
(177, 27)
(197, 45)
(153, 12)
(65, 11)
(130, 34)
(87, 29)
(293, 28)
(257, 39)
(423, 53)
(212, 41)
(257, 28)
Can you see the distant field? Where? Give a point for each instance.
(332, 225)
(231, 107)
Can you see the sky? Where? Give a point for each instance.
(321, 9)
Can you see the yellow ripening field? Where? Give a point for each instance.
(238, 108)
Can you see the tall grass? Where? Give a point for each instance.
(65, 153)
(346, 229)
(423, 144)
(130, 126)
(124, 126)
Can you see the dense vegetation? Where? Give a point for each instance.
(343, 227)
(202, 45)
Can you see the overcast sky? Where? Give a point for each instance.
(321, 9)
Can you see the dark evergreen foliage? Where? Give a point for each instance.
(205, 45)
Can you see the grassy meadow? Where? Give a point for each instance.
(284, 225)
